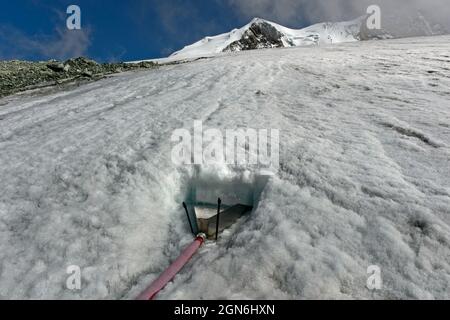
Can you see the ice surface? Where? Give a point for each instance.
(206, 212)
(87, 179)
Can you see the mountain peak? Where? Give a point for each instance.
(257, 20)
(260, 34)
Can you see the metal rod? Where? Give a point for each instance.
(219, 201)
(189, 218)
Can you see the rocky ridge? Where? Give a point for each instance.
(17, 76)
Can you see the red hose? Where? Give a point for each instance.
(171, 272)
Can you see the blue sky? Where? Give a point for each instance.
(111, 30)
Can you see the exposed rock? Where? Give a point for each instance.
(56, 66)
(87, 73)
(16, 76)
(260, 35)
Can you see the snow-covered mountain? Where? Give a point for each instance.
(260, 33)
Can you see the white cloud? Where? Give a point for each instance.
(291, 12)
(14, 44)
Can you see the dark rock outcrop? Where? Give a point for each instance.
(259, 35)
(16, 76)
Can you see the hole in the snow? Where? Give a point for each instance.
(420, 224)
(239, 194)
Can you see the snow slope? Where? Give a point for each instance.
(87, 180)
(321, 33)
